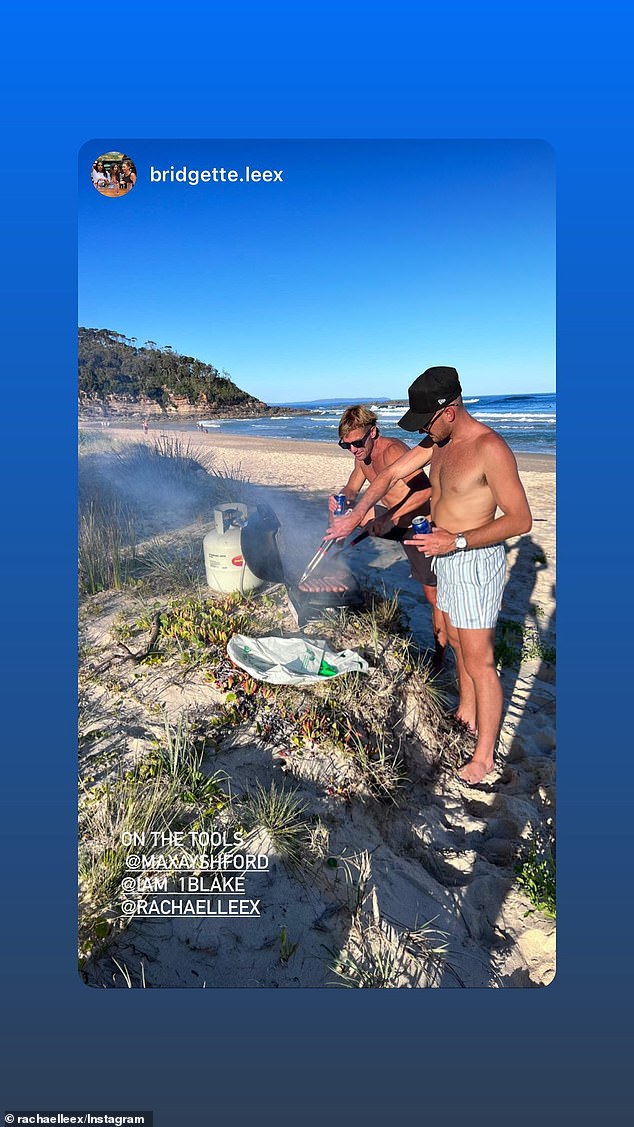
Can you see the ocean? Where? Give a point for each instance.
(527, 422)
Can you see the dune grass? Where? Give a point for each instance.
(167, 460)
(127, 803)
(106, 546)
(120, 486)
(378, 955)
(279, 812)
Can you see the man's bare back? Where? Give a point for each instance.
(385, 452)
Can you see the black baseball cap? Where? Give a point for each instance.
(434, 389)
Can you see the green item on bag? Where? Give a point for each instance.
(291, 661)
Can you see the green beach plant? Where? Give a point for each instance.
(356, 870)
(173, 467)
(127, 803)
(287, 949)
(167, 460)
(178, 757)
(516, 642)
(382, 767)
(279, 812)
(536, 876)
(380, 956)
(227, 482)
(106, 547)
(168, 569)
(180, 753)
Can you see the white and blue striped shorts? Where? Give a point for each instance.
(470, 586)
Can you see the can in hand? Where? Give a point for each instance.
(420, 525)
(340, 499)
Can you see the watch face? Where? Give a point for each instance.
(461, 541)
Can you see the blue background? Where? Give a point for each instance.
(556, 72)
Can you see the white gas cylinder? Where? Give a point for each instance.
(224, 565)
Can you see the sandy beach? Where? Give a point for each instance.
(439, 850)
(312, 470)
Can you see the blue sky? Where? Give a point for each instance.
(367, 263)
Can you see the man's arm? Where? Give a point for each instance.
(412, 500)
(500, 469)
(354, 483)
(405, 466)
(350, 489)
(503, 480)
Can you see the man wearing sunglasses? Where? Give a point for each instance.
(477, 502)
(409, 497)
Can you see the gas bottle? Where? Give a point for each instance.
(225, 568)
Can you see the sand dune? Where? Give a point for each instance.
(442, 851)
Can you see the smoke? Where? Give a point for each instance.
(303, 519)
(166, 485)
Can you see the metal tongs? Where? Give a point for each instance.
(317, 558)
(321, 552)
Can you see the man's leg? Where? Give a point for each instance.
(476, 649)
(438, 626)
(423, 573)
(466, 710)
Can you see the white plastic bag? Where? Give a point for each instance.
(291, 661)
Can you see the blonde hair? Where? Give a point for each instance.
(355, 417)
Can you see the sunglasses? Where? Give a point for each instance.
(357, 443)
(435, 416)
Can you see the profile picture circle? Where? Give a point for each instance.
(113, 174)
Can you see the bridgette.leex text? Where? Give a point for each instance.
(215, 175)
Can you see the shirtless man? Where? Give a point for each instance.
(403, 500)
(473, 474)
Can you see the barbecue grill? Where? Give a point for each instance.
(260, 549)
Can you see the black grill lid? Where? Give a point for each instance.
(259, 547)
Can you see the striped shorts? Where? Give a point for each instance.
(470, 586)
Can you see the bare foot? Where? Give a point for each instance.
(475, 770)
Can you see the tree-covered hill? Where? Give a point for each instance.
(112, 366)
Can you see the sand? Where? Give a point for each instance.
(446, 852)
(315, 469)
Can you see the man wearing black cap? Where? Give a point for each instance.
(372, 453)
(473, 477)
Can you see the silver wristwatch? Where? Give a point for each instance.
(461, 541)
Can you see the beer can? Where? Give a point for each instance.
(340, 499)
(420, 525)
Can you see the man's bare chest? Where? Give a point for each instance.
(457, 470)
